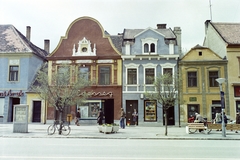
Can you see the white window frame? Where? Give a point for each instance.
(146, 66)
(131, 66)
(149, 41)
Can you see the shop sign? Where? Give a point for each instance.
(192, 99)
(99, 94)
(10, 93)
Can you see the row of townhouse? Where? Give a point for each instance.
(119, 65)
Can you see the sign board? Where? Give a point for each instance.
(20, 118)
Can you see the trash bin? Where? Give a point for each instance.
(69, 118)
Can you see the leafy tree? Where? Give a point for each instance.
(64, 88)
(166, 92)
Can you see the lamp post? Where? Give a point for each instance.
(220, 82)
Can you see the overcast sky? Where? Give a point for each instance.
(50, 19)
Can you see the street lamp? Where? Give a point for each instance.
(220, 82)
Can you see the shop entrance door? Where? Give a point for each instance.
(109, 111)
(13, 101)
(170, 116)
(130, 106)
(36, 111)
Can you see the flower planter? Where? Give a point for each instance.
(100, 128)
(107, 129)
(115, 129)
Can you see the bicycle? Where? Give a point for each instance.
(56, 126)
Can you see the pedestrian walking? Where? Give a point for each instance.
(237, 120)
(100, 117)
(78, 116)
(122, 119)
(218, 119)
(135, 116)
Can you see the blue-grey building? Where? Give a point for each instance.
(148, 53)
(19, 62)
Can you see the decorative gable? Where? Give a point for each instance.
(84, 48)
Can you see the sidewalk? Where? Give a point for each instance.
(131, 132)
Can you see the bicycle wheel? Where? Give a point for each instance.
(51, 129)
(66, 130)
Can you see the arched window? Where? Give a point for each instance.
(146, 50)
(152, 47)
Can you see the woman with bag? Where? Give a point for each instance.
(78, 116)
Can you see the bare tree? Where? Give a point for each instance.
(64, 88)
(166, 93)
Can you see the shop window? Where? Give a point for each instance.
(149, 75)
(192, 109)
(90, 109)
(132, 76)
(104, 75)
(213, 75)
(13, 73)
(192, 79)
(150, 111)
(1, 106)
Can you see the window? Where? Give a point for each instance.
(145, 48)
(132, 76)
(153, 48)
(84, 73)
(192, 79)
(150, 111)
(104, 75)
(170, 72)
(63, 75)
(13, 73)
(90, 109)
(1, 106)
(213, 75)
(149, 75)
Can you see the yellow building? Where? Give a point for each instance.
(199, 91)
(224, 39)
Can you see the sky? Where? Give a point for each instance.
(50, 19)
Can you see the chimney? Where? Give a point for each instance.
(178, 32)
(28, 32)
(161, 26)
(46, 45)
(206, 25)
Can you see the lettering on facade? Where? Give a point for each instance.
(10, 93)
(99, 94)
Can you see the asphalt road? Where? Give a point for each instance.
(117, 149)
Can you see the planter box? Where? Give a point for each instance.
(115, 129)
(100, 128)
(107, 129)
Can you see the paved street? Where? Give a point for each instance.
(132, 132)
(116, 149)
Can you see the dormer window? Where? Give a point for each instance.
(84, 48)
(149, 45)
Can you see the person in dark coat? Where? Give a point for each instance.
(135, 116)
(78, 116)
(100, 117)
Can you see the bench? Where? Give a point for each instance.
(219, 127)
(233, 127)
(193, 127)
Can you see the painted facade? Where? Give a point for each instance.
(199, 91)
(19, 61)
(148, 53)
(87, 47)
(224, 39)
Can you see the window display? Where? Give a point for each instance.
(90, 109)
(150, 111)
